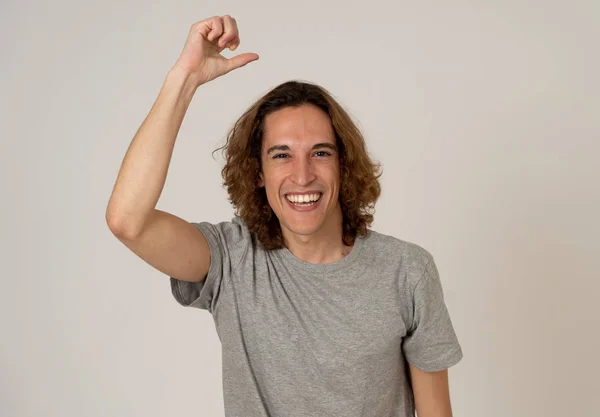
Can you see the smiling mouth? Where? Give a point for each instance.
(305, 201)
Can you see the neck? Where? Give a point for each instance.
(322, 247)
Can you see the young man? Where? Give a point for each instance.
(317, 314)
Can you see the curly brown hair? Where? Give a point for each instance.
(359, 175)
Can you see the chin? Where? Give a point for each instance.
(302, 228)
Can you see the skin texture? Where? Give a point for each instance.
(432, 393)
(201, 56)
(314, 236)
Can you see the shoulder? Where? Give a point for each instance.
(233, 231)
(409, 258)
(388, 245)
(231, 239)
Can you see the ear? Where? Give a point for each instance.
(260, 182)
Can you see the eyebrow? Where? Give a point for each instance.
(315, 146)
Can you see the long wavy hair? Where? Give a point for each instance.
(359, 175)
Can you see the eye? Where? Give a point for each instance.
(326, 153)
(278, 155)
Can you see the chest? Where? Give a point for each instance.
(327, 325)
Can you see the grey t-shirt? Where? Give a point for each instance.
(320, 340)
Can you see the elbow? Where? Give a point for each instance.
(117, 224)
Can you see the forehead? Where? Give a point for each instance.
(306, 123)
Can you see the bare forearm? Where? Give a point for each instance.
(144, 168)
(431, 392)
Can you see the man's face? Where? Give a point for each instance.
(300, 160)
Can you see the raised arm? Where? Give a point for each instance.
(165, 241)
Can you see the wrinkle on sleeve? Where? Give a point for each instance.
(227, 242)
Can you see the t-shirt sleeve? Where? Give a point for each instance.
(227, 242)
(431, 343)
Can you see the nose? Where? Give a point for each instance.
(302, 171)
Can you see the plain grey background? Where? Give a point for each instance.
(484, 116)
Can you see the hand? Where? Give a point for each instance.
(201, 55)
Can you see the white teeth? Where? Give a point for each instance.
(303, 198)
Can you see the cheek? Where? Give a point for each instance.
(331, 172)
(271, 188)
(273, 176)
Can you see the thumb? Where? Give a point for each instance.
(240, 60)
